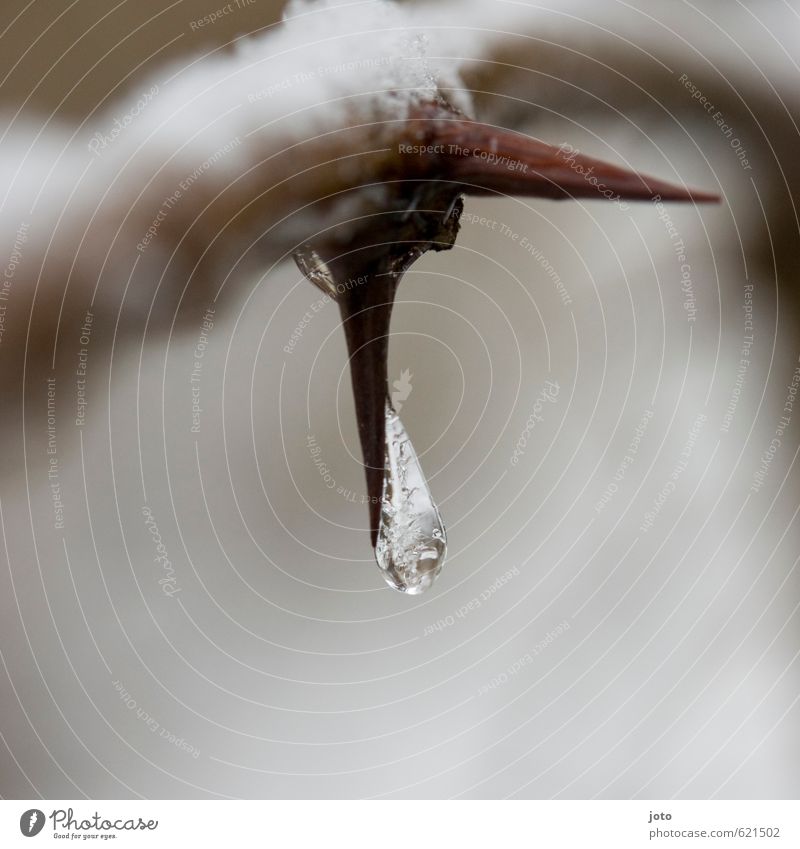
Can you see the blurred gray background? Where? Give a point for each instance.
(571, 647)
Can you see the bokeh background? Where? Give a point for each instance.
(603, 626)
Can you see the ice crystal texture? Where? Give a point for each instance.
(411, 537)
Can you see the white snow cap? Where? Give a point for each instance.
(329, 64)
(328, 50)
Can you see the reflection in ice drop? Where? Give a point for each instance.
(411, 539)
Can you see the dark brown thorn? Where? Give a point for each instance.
(366, 311)
(484, 159)
(365, 277)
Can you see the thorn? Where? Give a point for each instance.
(363, 280)
(484, 160)
(366, 311)
(475, 159)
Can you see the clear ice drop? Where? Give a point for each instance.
(411, 542)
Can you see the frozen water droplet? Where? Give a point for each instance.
(411, 537)
(315, 269)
